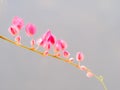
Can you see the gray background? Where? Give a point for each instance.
(91, 26)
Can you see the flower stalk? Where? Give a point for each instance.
(99, 78)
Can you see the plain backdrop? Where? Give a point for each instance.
(90, 26)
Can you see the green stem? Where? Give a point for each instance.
(99, 78)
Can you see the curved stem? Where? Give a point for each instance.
(99, 78)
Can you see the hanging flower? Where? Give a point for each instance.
(13, 30)
(66, 54)
(79, 56)
(30, 29)
(60, 45)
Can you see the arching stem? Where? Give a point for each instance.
(99, 78)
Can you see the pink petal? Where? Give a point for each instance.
(79, 56)
(57, 46)
(18, 39)
(83, 68)
(63, 44)
(66, 54)
(89, 74)
(60, 45)
(45, 53)
(30, 29)
(41, 42)
(46, 35)
(32, 42)
(17, 21)
(13, 30)
(47, 46)
(51, 39)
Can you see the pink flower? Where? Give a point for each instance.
(13, 30)
(57, 47)
(47, 40)
(47, 46)
(79, 56)
(41, 42)
(60, 45)
(63, 44)
(66, 54)
(30, 29)
(52, 39)
(49, 37)
(17, 21)
(46, 35)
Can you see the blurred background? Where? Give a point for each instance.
(90, 26)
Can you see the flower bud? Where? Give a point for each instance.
(83, 68)
(89, 74)
(79, 56)
(13, 30)
(18, 39)
(30, 29)
(66, 54)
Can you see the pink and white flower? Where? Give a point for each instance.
(18, 22)
(30, 29)
(79, 56)
(66, 54)
(13, 30)
(60, 45)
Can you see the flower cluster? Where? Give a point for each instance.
(48, 41)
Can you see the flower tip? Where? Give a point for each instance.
(48, 31)
(89, 74)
